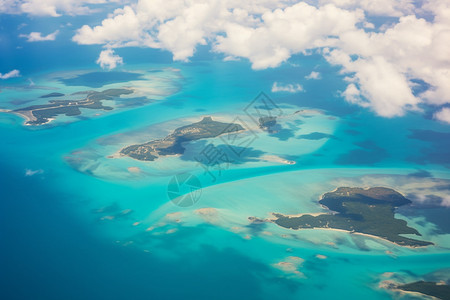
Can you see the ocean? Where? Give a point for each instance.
(76, 224)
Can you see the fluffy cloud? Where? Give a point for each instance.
(265, 32)
(443, 115)
(289, 88)
(284, 32)
(37, 36)
(375, 83)
(382, 64)
(313, 75)
(379, 62)
(53, 8)
(122, 29)
(10, 74)
(394, 8)
(9, 6)
(109, 60)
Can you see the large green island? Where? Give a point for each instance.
(172, 144)
(434, 289)
(41, 114)
(366, 211)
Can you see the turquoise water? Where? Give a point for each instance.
(76, 224)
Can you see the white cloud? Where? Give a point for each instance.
(53, 8)
(445, 201)
(9, 6)
(284, 32)
(10, 74)
(353, 95)
(37, 36)
(121, 29)
(384, 63)
(443, 115)
(109, 60)
(29, 172)
(377, 84)
(289, 88)
(394, 8)
(22, 25)
(252, 30)
(56, 8)
(313, 75)
(379, 62)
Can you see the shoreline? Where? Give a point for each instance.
(341, 230)
(277, 159)
(402, 292)
(27, 117)
(115, 155)
(119, 154)
(362, 234)
(297, 215)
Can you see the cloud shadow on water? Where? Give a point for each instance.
(421, 174)
(314, 136)
(219, 273)
(132, 102)
(368, 154)
(437, 153)
(99, 79)
(236, 155)
(283, 134)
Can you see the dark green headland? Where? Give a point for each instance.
(438, 290)
(369, 211)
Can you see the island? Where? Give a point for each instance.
(173, 143)
(440, 290)
(365, 211)
(42, 114)
(51, 95)
(267, 123)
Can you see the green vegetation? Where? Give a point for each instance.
(41, 114)
(266, 123)
(441, 291)
(52, 95)
(370, 211)
(376, 195)
(109, 94)
(172, 144)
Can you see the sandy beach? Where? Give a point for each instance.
(362, 234)
(277, 159)
(295, 215)
(27, 115)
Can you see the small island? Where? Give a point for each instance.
(41, 114)
(172, 144)
(365, 211)
(440, 290)
(51, 95)
(267, 123)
